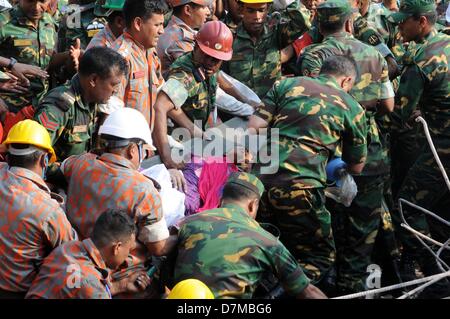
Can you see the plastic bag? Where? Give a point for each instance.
(345, 193)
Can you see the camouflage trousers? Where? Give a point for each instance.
(305, 226)
(424, 186)
(355, 231)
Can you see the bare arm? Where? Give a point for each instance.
(162, 247)
(386, 106)
(257, 123)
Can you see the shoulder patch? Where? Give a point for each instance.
(47, 122)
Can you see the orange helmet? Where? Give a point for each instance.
(216, 40)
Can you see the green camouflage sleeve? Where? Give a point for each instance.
(410, 90)
(295, 26)
(269, 107)
(288, 271)
(179, 86)
(52, 118)
(354, 148)
(311, 61)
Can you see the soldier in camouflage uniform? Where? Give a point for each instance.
(69, 112)
(82, 22)
(315, 117)
(232, 17)
(231, 253)
(358, 227)
(256, 59)
(189, 93)
(29, 40)
(424, 86)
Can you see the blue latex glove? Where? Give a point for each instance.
(332, 169)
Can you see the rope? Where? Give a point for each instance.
(433, 149)
(420, 288)
(393, 287)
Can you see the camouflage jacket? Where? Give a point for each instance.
(80, 24)
(21, 40)
(258, 64)
(314, 117)
(371, 85)
(196, 98)
(230, 252)
(70, 123)
(425, 84)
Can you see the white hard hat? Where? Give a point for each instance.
(127, 123)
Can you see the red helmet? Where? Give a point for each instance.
(216, 40)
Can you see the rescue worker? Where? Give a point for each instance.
(144, 25)
(356, 225)
(32, 222)
(256, 59)
(114, 27)
(80, 269)
(179, 35)
(69, 112)
(232, 16)
(308, 138)
(190, 91)
(231, 253)
(424, 85)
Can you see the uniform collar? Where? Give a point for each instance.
(429, 36)
(129, 37)
(117, 160)
(188, 32)
(329, 80)
(237, 209)
(31, 176)
(242, 33)
(342, 34)
(96, 257)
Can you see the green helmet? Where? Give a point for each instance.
(104, 8)
(114, 4)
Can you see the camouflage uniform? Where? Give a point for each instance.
(425, 85)
(258, 65)
(355, 242)
(69, 121)
(19, 39)
(309, 136)
(231, 253)
(91, 24)
(196, 99)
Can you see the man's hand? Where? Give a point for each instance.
(75, 54)
(13, 85)
(24, 71)
(178, 180)
(134, 283)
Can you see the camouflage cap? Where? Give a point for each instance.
(334, 10)
(411, 7)
(248, 181)
(177, 3)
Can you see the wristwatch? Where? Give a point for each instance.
(11, 64)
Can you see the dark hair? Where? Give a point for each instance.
(339, 65)
(24, 161)
(331, 27)
(143, 9)
(178, 9)
(102, 61)
(235, 192)
(431, 17)
(112, 17)
(113, 225)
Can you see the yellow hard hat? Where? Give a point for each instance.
(31, 133)
(190, 289)
(256, 1)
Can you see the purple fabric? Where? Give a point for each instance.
(192, 201)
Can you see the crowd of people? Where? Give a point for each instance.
(91, 92)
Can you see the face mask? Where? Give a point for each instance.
(44, 170)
